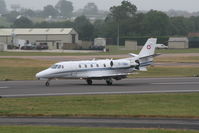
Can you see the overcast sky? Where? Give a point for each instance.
(163, 5)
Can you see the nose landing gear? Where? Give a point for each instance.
(47, 83)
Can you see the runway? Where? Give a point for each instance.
(165, 123)
(10, 89)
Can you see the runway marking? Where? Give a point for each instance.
(4, 87)
(99, 93)
(177, 83)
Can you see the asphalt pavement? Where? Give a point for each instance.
(79, 87)
(164, 123)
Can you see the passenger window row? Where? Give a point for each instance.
(91, 66)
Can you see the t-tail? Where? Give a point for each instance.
(147, 53)
(148, 49)
(145, 57)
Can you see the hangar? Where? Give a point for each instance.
(178, 42)
(193, 39)
(54, 38)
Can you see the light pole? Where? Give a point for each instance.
(13, 39)
(118, 34)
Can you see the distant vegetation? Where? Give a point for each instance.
(90, 22)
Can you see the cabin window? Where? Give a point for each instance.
(85, 66)
(80, 66)
(104, 65)
(62, 67)
(91, 65)
(97, 65)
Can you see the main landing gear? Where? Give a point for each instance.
(89, 81)
(108, 81)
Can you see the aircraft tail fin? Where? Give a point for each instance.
(145, 57)
(147, 53)
(149, 48)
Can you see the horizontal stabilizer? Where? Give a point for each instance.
(132, 54)
(144, 69)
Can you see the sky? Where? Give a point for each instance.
(162, 5)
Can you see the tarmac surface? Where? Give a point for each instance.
(10, 89)
(79, 87)
(163, 123)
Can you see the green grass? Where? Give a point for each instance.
(151, 105)
(25, 69)
(40, 54)
(114, 50)
(28, 73)
(190, 50)
(19, 73)
(168, 72)
(21, 69)
(181, 59)
(45, 129)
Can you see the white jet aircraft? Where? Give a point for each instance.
(107, 69)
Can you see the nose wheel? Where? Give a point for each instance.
(47, 83)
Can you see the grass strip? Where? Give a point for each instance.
(113, 50)
(21, 69)
(141, 105)
(25, 69)
(46, 129)
(168, 71)
(187, 59)
(28, 73)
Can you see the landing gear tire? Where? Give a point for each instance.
(89, 81)
(109, 82)
(47, 84)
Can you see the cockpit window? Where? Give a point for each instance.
(54, 66)
(59, 66)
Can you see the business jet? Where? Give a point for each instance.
(107, 69)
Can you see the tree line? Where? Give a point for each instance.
(63, 9)
(125, 19)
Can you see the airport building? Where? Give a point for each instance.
(193, 39)
(178, 42)
(54, 38)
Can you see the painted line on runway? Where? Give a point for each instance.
(98, 93)
(177, 83)
(4, 87)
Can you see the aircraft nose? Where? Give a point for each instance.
(38, 75)
(43, 74)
